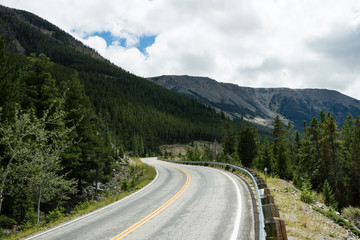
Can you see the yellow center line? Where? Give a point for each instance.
(157, 211)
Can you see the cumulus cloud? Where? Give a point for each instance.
(258, 43)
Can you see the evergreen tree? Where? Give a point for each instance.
(331, 164)
(309, 154)
(265, 158)
(280, 149)
(9, 85)
(353, 166)
(278, 128)
(329, 196)
(347, 138)
(39, 89)
(229, 139)
(282, 158)
(78, 158)
(247, 145)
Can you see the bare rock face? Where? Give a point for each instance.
(261, 105)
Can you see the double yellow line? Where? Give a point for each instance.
(157, 211)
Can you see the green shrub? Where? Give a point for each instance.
(30, 219)
(6, 222)
(85, 204)
(338, 220)
(124, 185)
(307, 195)
(351, 213)
(329, 196)
(56, 214)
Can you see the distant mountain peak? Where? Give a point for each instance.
(261, 105)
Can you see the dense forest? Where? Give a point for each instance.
(137, 114)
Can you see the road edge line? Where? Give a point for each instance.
(236, 228)
(95, 211)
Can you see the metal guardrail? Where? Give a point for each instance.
(262, 233)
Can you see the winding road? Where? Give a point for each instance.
(182, 202)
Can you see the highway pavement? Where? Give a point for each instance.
(182, 202)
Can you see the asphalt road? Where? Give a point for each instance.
(183, 202)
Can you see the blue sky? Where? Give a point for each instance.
(142, 44)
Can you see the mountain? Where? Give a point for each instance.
(134, 112)
(261, 105)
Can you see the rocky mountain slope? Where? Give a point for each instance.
(261, 105)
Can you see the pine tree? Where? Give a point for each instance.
(229, 139)
(306, 194)
(9, 85)
(347, 138)
(278, 128)
(329, 196)
(331, 165)
(39, 91)
(309, 154)
(353, 166)
(79, 159)
(329, 150)
(282, 158)
(280, 149)
(265, 158)
(247, 145)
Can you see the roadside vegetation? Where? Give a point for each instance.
(140, 175)
(310, 221)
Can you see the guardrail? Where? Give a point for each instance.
(262, 232)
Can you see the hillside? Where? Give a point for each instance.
(135, 113)
(261, 105)
(303, 222)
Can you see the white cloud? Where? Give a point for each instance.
(259, 43)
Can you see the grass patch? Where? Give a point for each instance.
(87, 206)
(338, 220)
(351, 213)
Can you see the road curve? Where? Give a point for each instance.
(183, 202)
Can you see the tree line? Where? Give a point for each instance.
(322, 157)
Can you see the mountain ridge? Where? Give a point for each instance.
(261, 105)
(134, 113)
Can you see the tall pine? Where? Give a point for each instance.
(39, 91)
(9, 85)
(331, 162)
(280, 149)
(247, 145)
